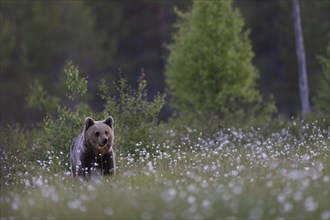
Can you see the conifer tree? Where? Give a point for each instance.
(209, 68)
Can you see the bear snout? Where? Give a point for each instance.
(105, 141)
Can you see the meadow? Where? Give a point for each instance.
(234, 173)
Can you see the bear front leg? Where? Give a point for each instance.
(73, 168)
(81, 170)
(109, 164)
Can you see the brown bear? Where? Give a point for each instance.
(92, 151)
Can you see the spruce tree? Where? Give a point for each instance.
(209, 68)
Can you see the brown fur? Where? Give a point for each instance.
(92, 151)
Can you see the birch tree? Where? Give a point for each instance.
(301, 58)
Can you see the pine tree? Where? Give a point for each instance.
(209, 69)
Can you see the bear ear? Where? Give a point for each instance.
(88, 122)
(109, 121)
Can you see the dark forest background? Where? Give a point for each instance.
(120, 39)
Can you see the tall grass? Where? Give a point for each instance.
(279, 171)
(234, 173)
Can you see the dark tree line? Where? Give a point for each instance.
(113, 39)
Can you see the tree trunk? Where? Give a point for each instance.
(300, 51)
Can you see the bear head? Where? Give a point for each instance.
(99, 135)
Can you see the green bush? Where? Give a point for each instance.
(40, 99)
(77, 85)
(136, 124)
(17, 154)
(59, 132)
(209, 70)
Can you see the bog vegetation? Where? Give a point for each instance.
(166, 171)
(234, 173)
(204, 163)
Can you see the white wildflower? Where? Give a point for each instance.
(325, 215)
(191, 199)
(310, 204)
(287, 207)
(108, 211)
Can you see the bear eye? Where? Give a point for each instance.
(106, 133)
(97, 134)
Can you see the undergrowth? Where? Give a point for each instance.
(278, 170)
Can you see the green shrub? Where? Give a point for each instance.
(209, 70)
(136, 124)
(77, 85)
(39, 98)
(17, 154)
(58, 132)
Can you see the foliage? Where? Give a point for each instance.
(234, 173)
(209, 68)
(17, 154)
(39, 98)
(284, 78)
(76, 84)
(59, 132)
(136, 124)
(37, 38)
(322, 100)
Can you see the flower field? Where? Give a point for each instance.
(232, 174)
